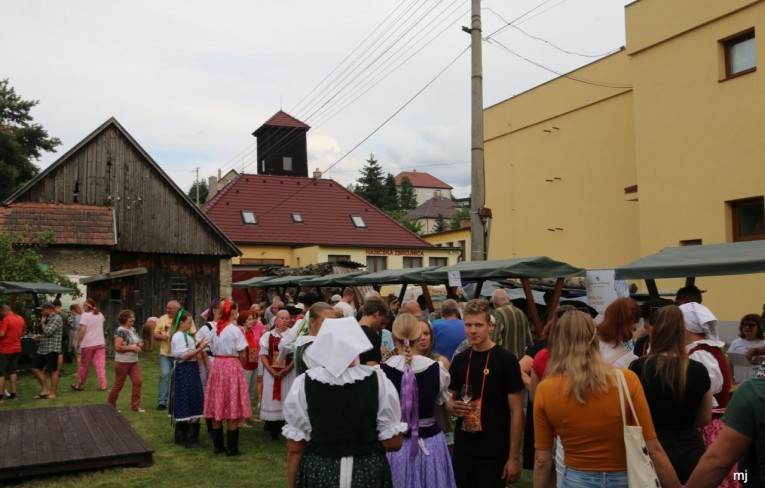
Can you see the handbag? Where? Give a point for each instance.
(640, 470)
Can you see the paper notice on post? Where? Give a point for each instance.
(454, 278)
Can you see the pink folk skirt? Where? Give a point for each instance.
(709, 433)
(227, 397)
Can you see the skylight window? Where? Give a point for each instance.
(297, 218)
(249, 218)
(358, 221)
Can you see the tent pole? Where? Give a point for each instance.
(532, 306)
(402, 293)
(653, 292)
(428, 300)
(249, 298)
(690, 280)
(478, 287)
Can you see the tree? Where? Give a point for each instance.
(371, 185)
(391, 194)
(201, 187)
(21, 141)
(407, 198)
(399, 216)
(456, 221)
(440, 223)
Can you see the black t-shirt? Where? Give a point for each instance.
(669, 411)
(503, 378)
(373, 354)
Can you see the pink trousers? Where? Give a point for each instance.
(96, 354)
(121, 372)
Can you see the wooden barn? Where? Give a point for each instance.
(162, 247)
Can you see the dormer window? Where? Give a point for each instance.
(249, 218)
(297, 218)
(358, 221)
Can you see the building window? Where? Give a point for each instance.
(377, 263)
(334, 258)
(437, 262)
(462, 246)
(287, 163)
(297, 218)
(262, 262)
(410, 262)
(249, 218)
(358, 221)
(748, 219)
(691, 242)
(740, 55)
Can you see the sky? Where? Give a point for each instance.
(191, 80)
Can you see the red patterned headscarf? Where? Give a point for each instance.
(225, 316)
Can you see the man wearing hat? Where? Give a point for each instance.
(48, 349)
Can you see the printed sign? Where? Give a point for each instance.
(602, 288)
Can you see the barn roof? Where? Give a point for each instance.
(67, 222)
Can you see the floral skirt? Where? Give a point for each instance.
(227, 397)
(371, 471)
(709, 433)
(187, 398)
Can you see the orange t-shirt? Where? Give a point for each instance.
(592, 434)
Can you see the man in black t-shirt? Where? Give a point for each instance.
(487, 438)
(375, 314)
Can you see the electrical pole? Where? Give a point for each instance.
(478, 244)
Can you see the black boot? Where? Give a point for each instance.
(192, 436)
(232, 439)
(208, 423)
(217, 435)
(180, 432)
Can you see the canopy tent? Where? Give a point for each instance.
(396, 277)
(691, 261)
(255, 282)
(522, 268)
(18, 287)
(337, 279)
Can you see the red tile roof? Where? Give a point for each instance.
(324, 205)
(282, 119)
(421, 180)
(434, 207)
(71, 224)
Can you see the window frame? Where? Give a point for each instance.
(377, 259)
(736, 220)
(437, 260)
(297, 218)
(287, 163)
(728, 44)
(360, 223)
(246, 213)
(409, 262)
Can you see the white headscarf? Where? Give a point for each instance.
(700, 320)
(337, 344)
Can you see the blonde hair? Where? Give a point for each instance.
(574, 354)
(406, 327)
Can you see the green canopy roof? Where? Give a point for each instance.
(691, 261)
(396, 277)
(252, 282)
(534, 267)
(16, 287)
(289, 280)
(338, 279)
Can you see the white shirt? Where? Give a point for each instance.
(346, 308)
(617, 356)
(709, 362)
(230, 341)
(265, 348)
(741, 345)
(180, 344)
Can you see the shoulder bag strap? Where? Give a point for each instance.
(624, 391)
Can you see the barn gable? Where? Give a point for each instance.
(110, 169)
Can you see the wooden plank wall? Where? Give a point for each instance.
(151, 215)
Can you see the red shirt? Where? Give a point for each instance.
(14, 326)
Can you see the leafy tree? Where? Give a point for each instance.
(391, 193)
(399, 216)
(20, 258)
(440, 223)
(371, 185)
(201, 188)
(21, 141)
(455, 221)
(407, 198)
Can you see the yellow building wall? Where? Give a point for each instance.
(698, 140)
(264, 252)
(452, 238)
(557, 160)
(558, 157)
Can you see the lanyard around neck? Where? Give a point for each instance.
(485, 370)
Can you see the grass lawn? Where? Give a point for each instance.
(263, 463)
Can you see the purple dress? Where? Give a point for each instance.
(429, 464)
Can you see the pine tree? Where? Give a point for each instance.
(407, 198)
(201, 186)
(391, 194)
(371, 185)
(21, 140)
(440, 223)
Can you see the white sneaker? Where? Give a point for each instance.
(140, 410)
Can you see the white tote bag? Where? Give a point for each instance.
(640, 470)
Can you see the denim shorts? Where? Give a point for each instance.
(573, 478)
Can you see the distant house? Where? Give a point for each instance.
(123, 228)
(455, 240)
(429, 212)
(288, 221)
(426, 186)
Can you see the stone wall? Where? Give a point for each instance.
(77, 260)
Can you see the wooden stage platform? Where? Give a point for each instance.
(43, 441)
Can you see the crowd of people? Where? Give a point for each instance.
(393, 396)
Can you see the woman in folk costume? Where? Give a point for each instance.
(303, 333)
(704, 345)
(422, 384)
(227, 397)
(187, 400)
(341, 416)
(277, 376)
